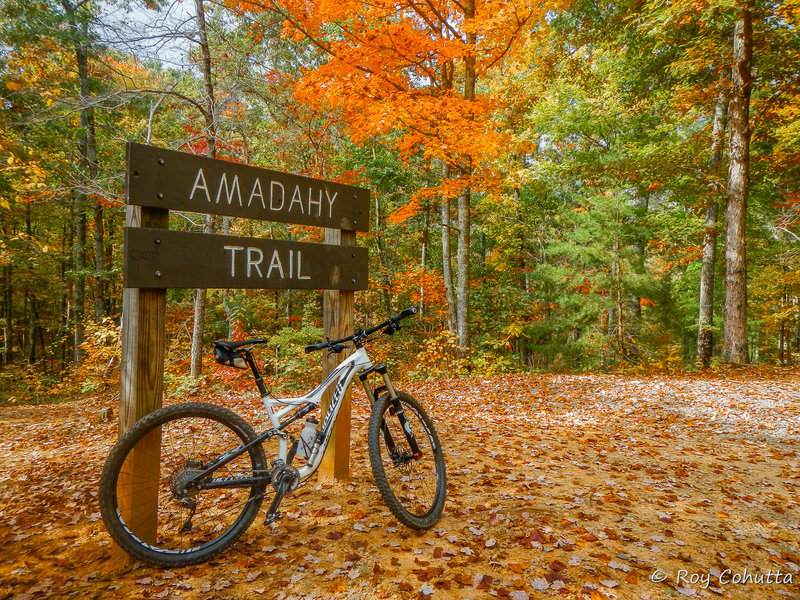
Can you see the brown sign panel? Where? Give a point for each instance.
(159, 258)
(180, 181)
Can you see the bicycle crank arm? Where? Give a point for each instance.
(283, 486)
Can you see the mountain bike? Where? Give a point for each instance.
(210, 473)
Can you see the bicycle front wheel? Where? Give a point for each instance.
(407, 460)
(152, 500)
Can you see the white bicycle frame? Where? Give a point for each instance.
(343, 374)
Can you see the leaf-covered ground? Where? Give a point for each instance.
(559, 486)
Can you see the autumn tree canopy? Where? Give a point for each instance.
(549, 180)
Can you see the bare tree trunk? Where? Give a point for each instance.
(423, 260)
(735, 313)
(196, 360)
(98, 233)
(386, 292)
(705, 321)
(616, 271)
(8, 311)
(87, 150)
(447, 273)
(67, 291)
(784, 350)
(638, 246)
(462, 259)
(462, 290)
(79, 287)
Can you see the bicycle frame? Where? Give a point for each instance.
(278, 408)
(357, 363)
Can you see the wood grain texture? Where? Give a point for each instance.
(337, 319)
(141, 387)
(187, 182)
(155, 258)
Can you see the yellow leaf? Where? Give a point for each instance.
(12, 85)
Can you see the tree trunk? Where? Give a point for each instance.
(86, 148)
(8, 312)
(386, 290)
(79, 288)
(423, 259)
(462, 290)
(735, 312)
(705, 322)
(89, 154)
(196, 359)
(639, 252)
(66, 292)
(447, 272)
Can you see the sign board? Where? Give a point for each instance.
(179, 181)
(159, 258)
(156, 258)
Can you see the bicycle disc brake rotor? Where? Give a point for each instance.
(401, 458)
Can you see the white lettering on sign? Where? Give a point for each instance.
(296, 199)
(272, 185)
(251, 262)
(300, 266)
(280, 266)
(233, 250)
(200, 184)
(318, 202)
(275, 263)
(257, 192)
(229, 191)
(330, 202)
(307, 200)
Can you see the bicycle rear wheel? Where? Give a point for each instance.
(150, 500)
(411, 479)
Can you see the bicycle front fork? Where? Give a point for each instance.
(396, 410)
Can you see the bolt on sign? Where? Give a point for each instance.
(167, 179)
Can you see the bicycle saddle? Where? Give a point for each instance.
(234, 345)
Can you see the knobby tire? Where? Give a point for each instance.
(414, 489)
(189, 435)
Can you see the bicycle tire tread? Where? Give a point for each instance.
(374, 441)
(117, 456)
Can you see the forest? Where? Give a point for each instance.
(562, 186)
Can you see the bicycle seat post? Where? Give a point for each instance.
(248, 357)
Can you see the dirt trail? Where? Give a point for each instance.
(559, 486)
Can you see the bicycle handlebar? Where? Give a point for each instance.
(392, 322)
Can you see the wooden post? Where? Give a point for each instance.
(141, 387)
(337, 322)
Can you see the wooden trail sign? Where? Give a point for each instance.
(179, 181)
(156, 258)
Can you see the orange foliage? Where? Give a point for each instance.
(391, 67)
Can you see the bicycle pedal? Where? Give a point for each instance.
(272, 517)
